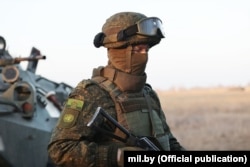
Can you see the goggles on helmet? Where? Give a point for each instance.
(151, 26)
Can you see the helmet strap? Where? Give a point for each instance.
(128, 32)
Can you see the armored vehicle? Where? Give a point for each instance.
(29, 109)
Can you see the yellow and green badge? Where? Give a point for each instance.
(75, 104)
(71, 112)
(68, 118)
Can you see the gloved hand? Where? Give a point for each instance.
(120, 154)
(91, 154)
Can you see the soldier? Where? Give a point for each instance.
(120, 88)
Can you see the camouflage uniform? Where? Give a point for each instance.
(74, 144)
(122, 94)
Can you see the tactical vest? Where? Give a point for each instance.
(137, 112)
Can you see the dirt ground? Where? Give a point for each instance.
(209, 119)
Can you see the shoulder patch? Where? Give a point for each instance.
(68, 118)
(74, 104)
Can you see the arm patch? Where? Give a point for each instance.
(68, 118)
(70, 113)
(74, 104)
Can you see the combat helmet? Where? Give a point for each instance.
(128, 28)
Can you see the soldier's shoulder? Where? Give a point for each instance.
(89, 88)
(148, 88)
(85, 83)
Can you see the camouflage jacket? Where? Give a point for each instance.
(74, 144)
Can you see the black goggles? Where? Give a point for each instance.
(151, 26)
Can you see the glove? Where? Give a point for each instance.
(91, 154)
(120, 154)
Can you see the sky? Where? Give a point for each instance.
(207, 41)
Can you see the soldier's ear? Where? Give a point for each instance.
(98, 40)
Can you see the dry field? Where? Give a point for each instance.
(209, 118)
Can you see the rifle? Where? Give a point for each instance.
(97, 122)
(5, 62)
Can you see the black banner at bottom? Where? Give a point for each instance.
(187, 158)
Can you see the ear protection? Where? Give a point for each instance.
(98, 40)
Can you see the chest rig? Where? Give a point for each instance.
(137, 112)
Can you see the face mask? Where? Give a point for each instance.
(124, 60)
(138, 63)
